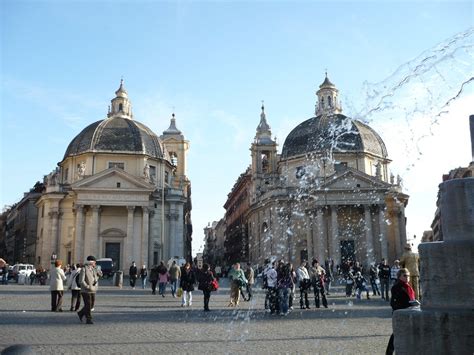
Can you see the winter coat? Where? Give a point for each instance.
(188, 279)
(153, 274)
(384, 271)
(56, 279)
(143, 273)
(89, 279)
(163, 278)
(133, 272)
(238, 277)
(400, 298)
(205, 279)
(71, 280)
(175, 272)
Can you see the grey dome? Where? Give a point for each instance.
(116, 135)
(333, 132)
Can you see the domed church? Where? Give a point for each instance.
(328, 195)
(119, 192)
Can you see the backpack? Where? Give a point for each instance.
(265, 280)
(77, 278)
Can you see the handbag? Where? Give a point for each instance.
(214, 285)
(179, 292)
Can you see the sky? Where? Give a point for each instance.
(400, 66)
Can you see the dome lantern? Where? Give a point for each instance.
(328, 100)
(121, 105)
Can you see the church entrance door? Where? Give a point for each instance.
(347, 250)
(112, 250)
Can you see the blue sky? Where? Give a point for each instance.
(212, 63)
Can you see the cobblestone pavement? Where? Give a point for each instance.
(136, 322)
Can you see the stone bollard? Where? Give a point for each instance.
(445, 322)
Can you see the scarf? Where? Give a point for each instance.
(408, 289)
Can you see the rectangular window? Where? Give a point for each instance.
(113, 164)
(66, 174)
(166, 176)
(153, 172)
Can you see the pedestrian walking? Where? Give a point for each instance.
(56, 286)
(384, 276)
(133, 273)
(361, 285)
(304, 283)
(317, 273)
(238, 281)
(163, 278)
(206, 285)
(285, 282)
(143, 276)
(188, 279)
(88, 280)
(74, 287)
(250, 276)
(153, 278)
(175, 275)
(374, 279)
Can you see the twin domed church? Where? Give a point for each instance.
(328, 195)
(120, 192)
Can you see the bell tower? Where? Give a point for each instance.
(264, 157)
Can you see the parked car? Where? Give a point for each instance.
(22, 269)
(107, 266)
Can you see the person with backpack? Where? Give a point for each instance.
(74, 286)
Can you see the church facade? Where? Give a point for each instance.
(328, 195)
(120, 191)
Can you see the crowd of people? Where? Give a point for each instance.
(282, 283)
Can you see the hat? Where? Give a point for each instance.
(91, 258)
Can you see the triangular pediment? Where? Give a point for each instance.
(353, 179)
(113, 179)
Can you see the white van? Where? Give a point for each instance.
(22, 269)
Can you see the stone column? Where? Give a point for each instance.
(368, 235)
(335, 248)
(94, 243)
(309, 235)
(383, 233)
(129, 242)
(79, 242)
(54, 241)
(151, 240)
(402, 225)
(321, 244)
(145, 236)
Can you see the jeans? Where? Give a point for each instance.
(174, 286)
(187, 298)
(144, 282)
(384, 286)
(207, 297)
(283, 292)
(162, 288)
(375, 288)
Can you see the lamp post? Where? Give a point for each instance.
(53, 258)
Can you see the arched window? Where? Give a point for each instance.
(330, 101)
(322, 102)
(120, 107)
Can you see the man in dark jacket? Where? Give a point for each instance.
(133, 272)
(88, 280)
(384, 275)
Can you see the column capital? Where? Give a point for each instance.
(95, 208)
(78, 208)
(145, 209)
(130, 209)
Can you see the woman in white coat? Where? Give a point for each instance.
(56, 286)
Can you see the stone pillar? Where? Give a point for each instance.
(309, 235)
(335, 248)
(129, 251)
(443, 325)
(79, 242)
(368, 235)
(321, 236)
(402, 225)
(94, 243)
(54, 241)
(151, 240)
(172, 218)
(145, 236)
(383, 233)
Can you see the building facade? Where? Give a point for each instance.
(120, 191)
(328, 195)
